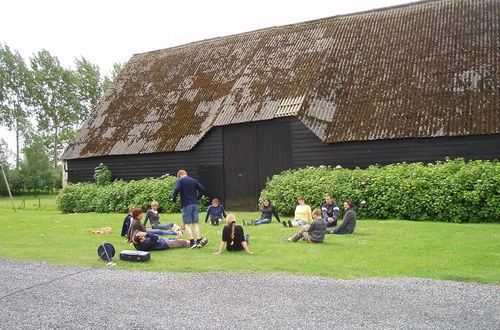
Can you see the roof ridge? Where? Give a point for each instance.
(270, 28)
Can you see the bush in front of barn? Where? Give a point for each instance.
(450, 191)
(117, 196)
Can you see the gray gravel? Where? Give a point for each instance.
(42, 296)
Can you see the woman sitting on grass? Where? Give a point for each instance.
(154, 218)
(313, 233)
(136, 224)
(268, 210)
(348, 223)
(233, 237)
(150, 242)
(303, 214)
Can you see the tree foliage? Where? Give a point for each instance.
(15, 82)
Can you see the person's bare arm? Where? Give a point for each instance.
(222, 246)
(245, 247)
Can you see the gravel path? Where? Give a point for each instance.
(40, 296)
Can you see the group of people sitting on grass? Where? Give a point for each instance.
(315, 224)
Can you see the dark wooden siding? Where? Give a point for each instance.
(308, 149)
(205, 157)
(253, 152)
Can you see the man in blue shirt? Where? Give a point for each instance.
(191, 191)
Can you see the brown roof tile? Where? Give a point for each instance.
(419, 70)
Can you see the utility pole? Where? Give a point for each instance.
(8, 188)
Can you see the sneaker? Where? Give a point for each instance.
(245, 223)
(290, 223)
(285, 224)
(193, 245)
(286, 239)
(202, 243)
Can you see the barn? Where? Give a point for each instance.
(417, 82)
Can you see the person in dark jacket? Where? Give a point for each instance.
(233, 237)
(313, 233)
(268, 210)
(348, 223)
(216, 213)
(330, 211)
(126, 222)
(144, 241)
(191, 191)
(154, 218)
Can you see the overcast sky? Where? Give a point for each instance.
(109, 31)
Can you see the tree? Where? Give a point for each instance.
(55, 101)
(90, 87)
(36, 170)
(15, 82)
(117, 68)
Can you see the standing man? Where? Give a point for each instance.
(330, 211)
(191, 191)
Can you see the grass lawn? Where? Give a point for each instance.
(387, 248)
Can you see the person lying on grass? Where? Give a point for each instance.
(154, 218)
(313, 233)
(233, 237)
(302, 214)
(150, 242)
(138, 225)
(348, 223)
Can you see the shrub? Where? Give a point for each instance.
(102, 175)
(451, 190)
(116, 197)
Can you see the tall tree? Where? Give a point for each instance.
(108, 80)
(15, 81)
(90, 87)
(36, 170)
(55, 101)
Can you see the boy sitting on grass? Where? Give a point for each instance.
(313, 233)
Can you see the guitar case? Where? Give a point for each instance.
(130, 255)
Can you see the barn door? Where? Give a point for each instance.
(241, 167)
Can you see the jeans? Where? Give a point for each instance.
(190, 213)
(261, 221)
(163, 227)
(161, 232)
(300, 222)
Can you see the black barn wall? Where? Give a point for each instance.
(308, 149)
(203, 162)
(233, 162)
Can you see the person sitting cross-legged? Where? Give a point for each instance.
(150, 242)
(330, 211)
(313, 233)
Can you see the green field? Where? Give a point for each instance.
(388, 248)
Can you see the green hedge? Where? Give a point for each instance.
(116, 197)
(450, 191)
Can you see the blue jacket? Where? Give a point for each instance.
(215, 212)
(330, 211)
(190, 189)
(152, 242)
(126, 224)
